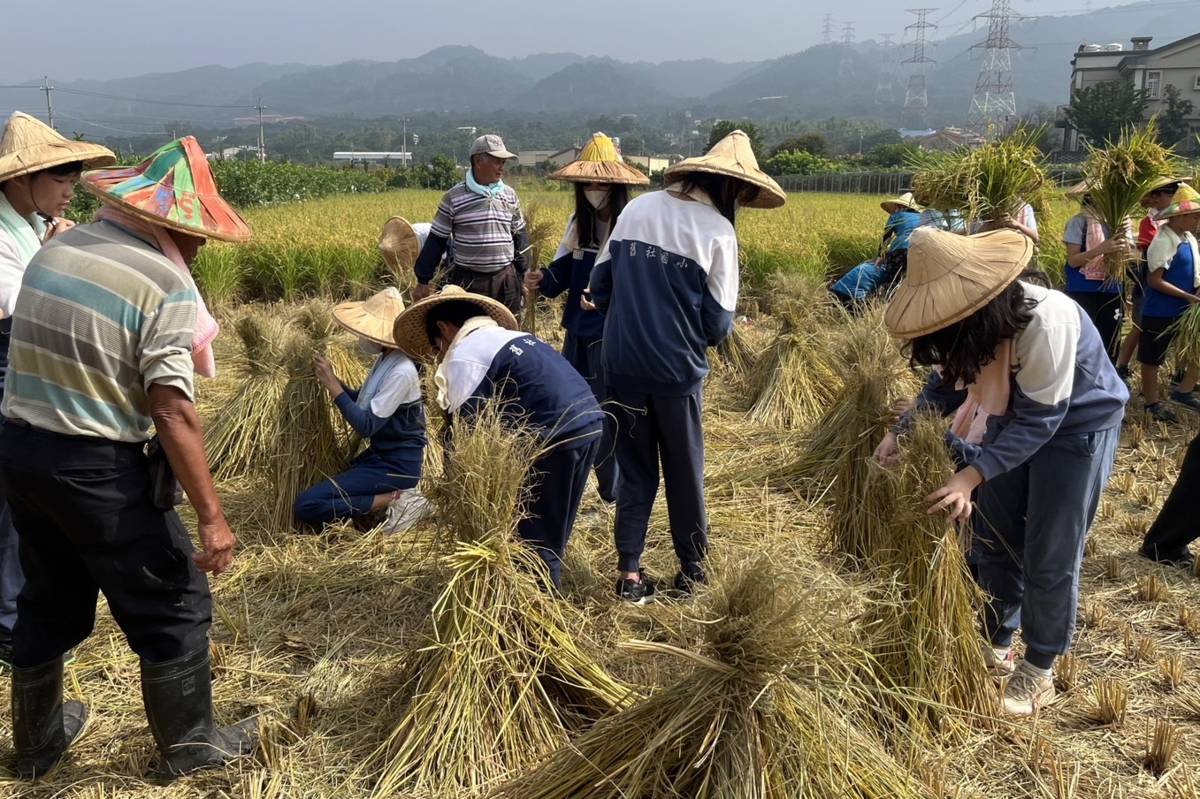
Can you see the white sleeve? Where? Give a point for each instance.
(1161, 251)
(723, 272)
(402, 386)
(1045, 351)
(12, 269)
(570, 240)
(1029, 218)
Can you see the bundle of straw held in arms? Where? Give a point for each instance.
(279, 423)
(987, 184)
(835, 459)
(1118, 176)
(797, 377)
(923, 625)
(502, 681)
(768, 708)
(1185, 343)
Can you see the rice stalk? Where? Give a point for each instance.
(925, 634)
(796, 379)
(1161, 747)
(758, 714)
(735, 351)
(501, 681)
(1185, 344)
(540, 229)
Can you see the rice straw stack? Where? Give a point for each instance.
(763, 711)
(1119, 175)
(924, 624)
(986, 184)
(736, 353)
(501, 682)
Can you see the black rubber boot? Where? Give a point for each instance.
(178, 699)
(43, 725)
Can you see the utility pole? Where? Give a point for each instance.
(47, 88)
(827, 30)
(262, 138)
(885, 86)
(994, 104)
(916, 98)
(405, 156)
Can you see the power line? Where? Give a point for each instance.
(150, 101)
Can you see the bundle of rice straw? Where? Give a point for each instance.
(540, 229)
(924, 624)
(836, 455)
(1118, 176)
(1185, 346)
(988, 183)
(797, 377)
(502, 681)
(764, 711)
(736, 353)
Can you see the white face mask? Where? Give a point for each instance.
(597, 197)
(368, 347)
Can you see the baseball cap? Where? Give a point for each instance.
(493, 145)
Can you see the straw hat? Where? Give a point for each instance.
(398, 244)
(1079, 189)
(29, 145)
(599, 162)
(733, 157)
(905, 200)
(950, 277)
(409, 330)
(173, 188)
(372, 319)
(1163, 183)
(1186, 201)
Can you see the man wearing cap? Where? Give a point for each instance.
(108, 330)
(483, 215)
(38, 172)
(481, 357)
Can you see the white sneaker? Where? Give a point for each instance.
(1000, 661)
(1028, 690)
(404, 512)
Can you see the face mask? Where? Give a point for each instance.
(368, 347)
(598, 198)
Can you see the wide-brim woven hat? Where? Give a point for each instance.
(409, 330)
(30, 145)
(599, 162)
(905, 200)
(950, 277)
(1079, 189)
(398, 244)
(733, 157)
(174, 188)
(1186, 201)
(1167, 182)
(373, 319)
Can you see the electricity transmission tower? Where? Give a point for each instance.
(827, 30)
(848, 33)
(916, 98)
(994, 105)
(885, 86)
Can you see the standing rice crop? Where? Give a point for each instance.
(1119, 175)
(502, 681)
(925, 623)
(760, 712)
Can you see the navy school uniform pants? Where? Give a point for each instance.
(556, 485)
(351, 493)
(1031, 526)
(1177, 524)
(654, 430)
(87, 524)
(583, 353)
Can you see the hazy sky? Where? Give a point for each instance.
(83, 38)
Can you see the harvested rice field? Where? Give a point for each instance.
(794, 675)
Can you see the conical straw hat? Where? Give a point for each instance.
(733, 157)
(398, 244)
(409, 331)
(1186, 201)
(173, 188)
(1163, 183)
(30, 145)
(372, 319)
(950, 277)
(599, 162)
(905, 200)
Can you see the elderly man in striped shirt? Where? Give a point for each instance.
(483, 215)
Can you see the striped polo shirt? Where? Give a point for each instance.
(483, 227)
(101, 316)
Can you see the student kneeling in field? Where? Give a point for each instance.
(483, 356)
(387, 410)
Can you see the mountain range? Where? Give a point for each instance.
(822, 81)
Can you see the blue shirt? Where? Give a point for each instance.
(899, 228)
(1076, 283)
(1180, 272)
(570, 272)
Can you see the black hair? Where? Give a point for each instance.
(725, 192)
(63, 170)
(585, 214)
(1170, 188)
(454, 312)
(962, 349)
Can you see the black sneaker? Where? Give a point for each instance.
(1180, 557)
(1186, 398)
(1161, 413)
(636, 592)
(684, 585)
